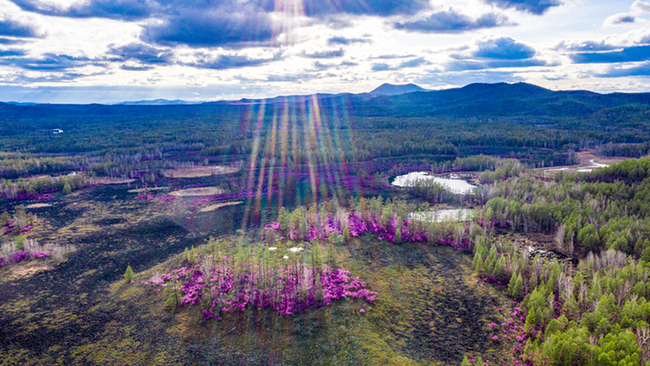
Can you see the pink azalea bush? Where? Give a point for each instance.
(321, 228)
(225, 286)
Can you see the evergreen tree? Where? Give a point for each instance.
(398, 236)
(479, 361)
(511, 283)
(317, 257)
(5, 218)
(331, 255)
(518, 288)
(129, 274)
(346, 234)
(186, 255)
(172, 301)
(465, 362)
(66, 188)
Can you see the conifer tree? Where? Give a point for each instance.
(172, 301)
(317, 257)
(398, 236)
(346, 234)
(129, 274)
(465, 362)
(331, 255)
(186, 255)
(518, 289)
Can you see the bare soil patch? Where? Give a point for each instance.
(25, 269)
(109, 180)
(39, 205)
(142, 190)
(202, 191)
(219, 205)
(587, 160)
(199, 171)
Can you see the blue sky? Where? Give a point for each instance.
(85, 51)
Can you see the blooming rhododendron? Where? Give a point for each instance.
(288, 289)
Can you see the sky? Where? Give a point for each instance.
(109, 51)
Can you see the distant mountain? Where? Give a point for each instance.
(474, 100)
(159, 102)
(392, 89)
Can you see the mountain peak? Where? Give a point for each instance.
(392, 89)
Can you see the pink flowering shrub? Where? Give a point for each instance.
(288, 289)
(357, 225)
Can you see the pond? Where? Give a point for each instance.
(458, 186)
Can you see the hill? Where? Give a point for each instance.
(391, 89)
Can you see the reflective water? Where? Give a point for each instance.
(452, 185)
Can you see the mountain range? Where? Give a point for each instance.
(474, 100)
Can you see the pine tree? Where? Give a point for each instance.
(192, 256)
(518, 289)
(331, 255)
(479, 361)
(465, 362)
(129, 274)
(398, 236)
(512, 282)
(317, 257)
(5, 218)
(66, 188)
(346, 234)
(172, 301)
(318, 289)
(186, 255)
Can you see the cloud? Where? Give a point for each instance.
(536, 7)
(449, 79)
(413, 63)
(296, 78)
(223, 62)
(12, 52)
(403, 65)
(48, 62)
(622, 18)
(142, 53)
(581, 46)
(48, 78)
(390, 57)
(225, 26)
(463, 65)
(629, 54)
(136, 68)
(323, 9)
(12, 28)
(637, 70)
(112, 9)
(323, 54)
(322, 66)
(503, 48)
(453, 22)
(640, 6)
(380, 67)
(346, 41)
(223, 23)
(9, 41)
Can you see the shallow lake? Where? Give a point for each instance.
(452, 185)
